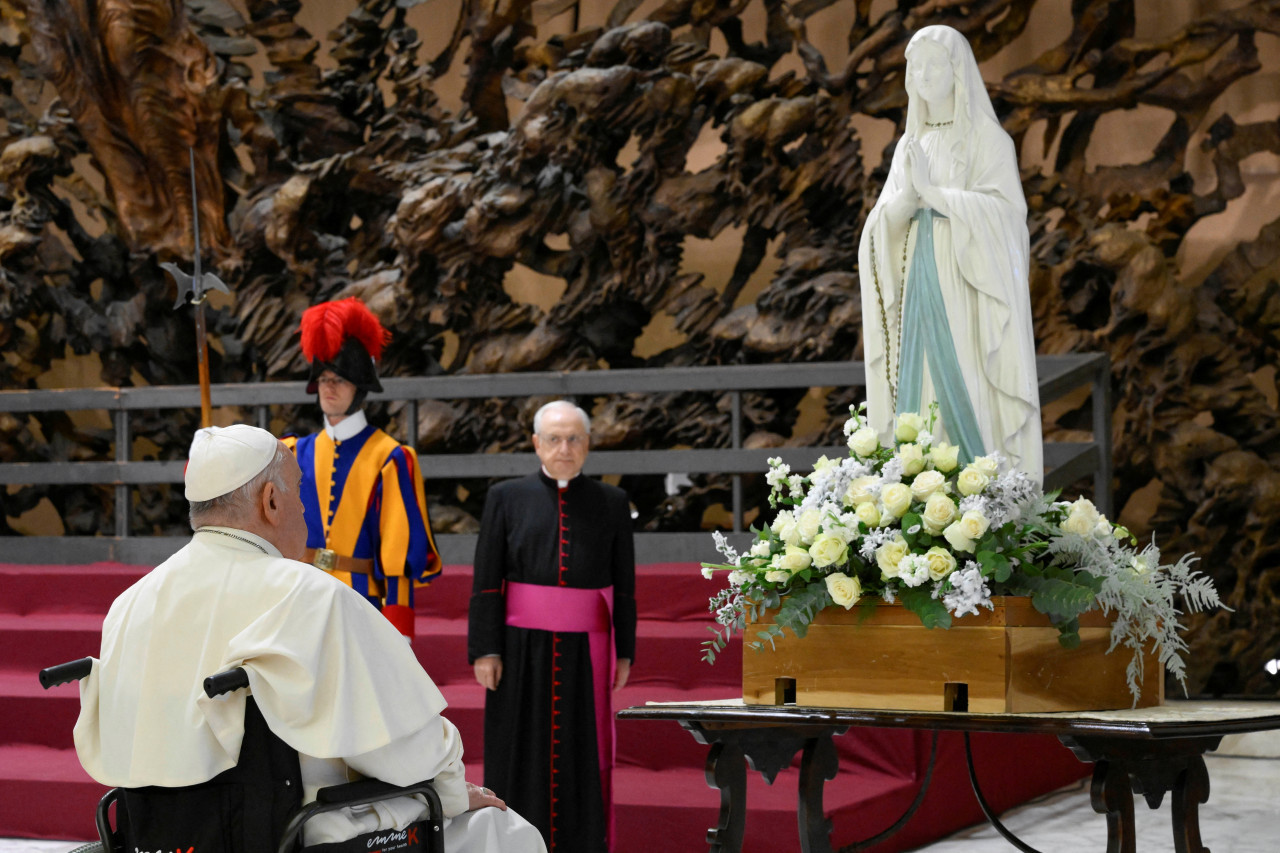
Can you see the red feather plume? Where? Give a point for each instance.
(327, 325)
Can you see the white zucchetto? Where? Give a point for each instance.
(222, 459)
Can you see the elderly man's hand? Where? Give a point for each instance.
(479, 798)
(489, 672)
(622, 673)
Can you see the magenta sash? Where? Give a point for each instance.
(589, 611)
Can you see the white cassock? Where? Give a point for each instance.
(982, 254)
(332, 678)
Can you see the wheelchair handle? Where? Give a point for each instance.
(65, 672)
(225, 682)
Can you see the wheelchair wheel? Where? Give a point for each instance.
(91, 847)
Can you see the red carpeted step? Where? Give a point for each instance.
(657, 746)
(446, 596)
(666, 651)
(673, 809)
(33, 715)
(64, 589)
(664, 591)
(37, 640)
(49, 615)
(44, 793)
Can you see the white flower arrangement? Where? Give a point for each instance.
(908, 523)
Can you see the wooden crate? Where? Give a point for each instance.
(1008, 659)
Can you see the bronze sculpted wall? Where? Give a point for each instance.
(570, 157)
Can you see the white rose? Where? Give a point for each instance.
(896, 498)
(972, 481)
(860, 491)
(784, 527)
(889, 555)
(941, 563)
(1078, 525)
(964, 533)
(777, 576)
(987, 465)
(909, 426)
(793, 559)
(868, 514)
(912, 459)
(760, 548)
(807, 525)
(844, 590)
(957, 539)
(945, 457)
(828, 550)
(973, 524)
(1082, 517)
(864, 442)
(1103, 527)
(823, 464)
(939, 511)
(926, 483)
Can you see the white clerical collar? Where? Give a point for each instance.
(241, 540)
(561, 483)
(347, 428)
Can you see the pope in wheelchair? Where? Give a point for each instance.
(330, 681)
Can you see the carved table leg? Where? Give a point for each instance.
(767, 750)
(1111, 795)
(1127, 766)
(727, 771)
(820, 763)
(1189, 792)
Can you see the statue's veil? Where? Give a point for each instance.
(972, 103)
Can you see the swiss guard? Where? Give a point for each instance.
(366, 512)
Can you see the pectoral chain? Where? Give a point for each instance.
(231, 536)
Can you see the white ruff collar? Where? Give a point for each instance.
(347, 428)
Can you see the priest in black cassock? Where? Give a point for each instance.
(553, 633)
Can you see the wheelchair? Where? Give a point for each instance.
(247, 808)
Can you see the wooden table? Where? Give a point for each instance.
(1148, 751)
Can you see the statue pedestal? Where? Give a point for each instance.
(1005, 660)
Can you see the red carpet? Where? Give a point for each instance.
(50, 614)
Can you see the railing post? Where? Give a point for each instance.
(1102, 434)
(735, 398)
(123, 453)
(411, 430)
(260, 417)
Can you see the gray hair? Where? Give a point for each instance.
(537, 417)
(237, 503)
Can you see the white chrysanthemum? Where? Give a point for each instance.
(778, 472)
(913, 569)
(723, 546)
(968, 591)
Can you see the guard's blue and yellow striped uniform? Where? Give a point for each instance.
(363, 498)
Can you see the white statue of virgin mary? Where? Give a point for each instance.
(943, 261)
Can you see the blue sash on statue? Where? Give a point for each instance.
(926, 332)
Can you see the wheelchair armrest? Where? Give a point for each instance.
(64, 672)
(225, 682)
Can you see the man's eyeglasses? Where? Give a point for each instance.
(332, 380)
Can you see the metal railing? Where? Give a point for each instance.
(1059, 375)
